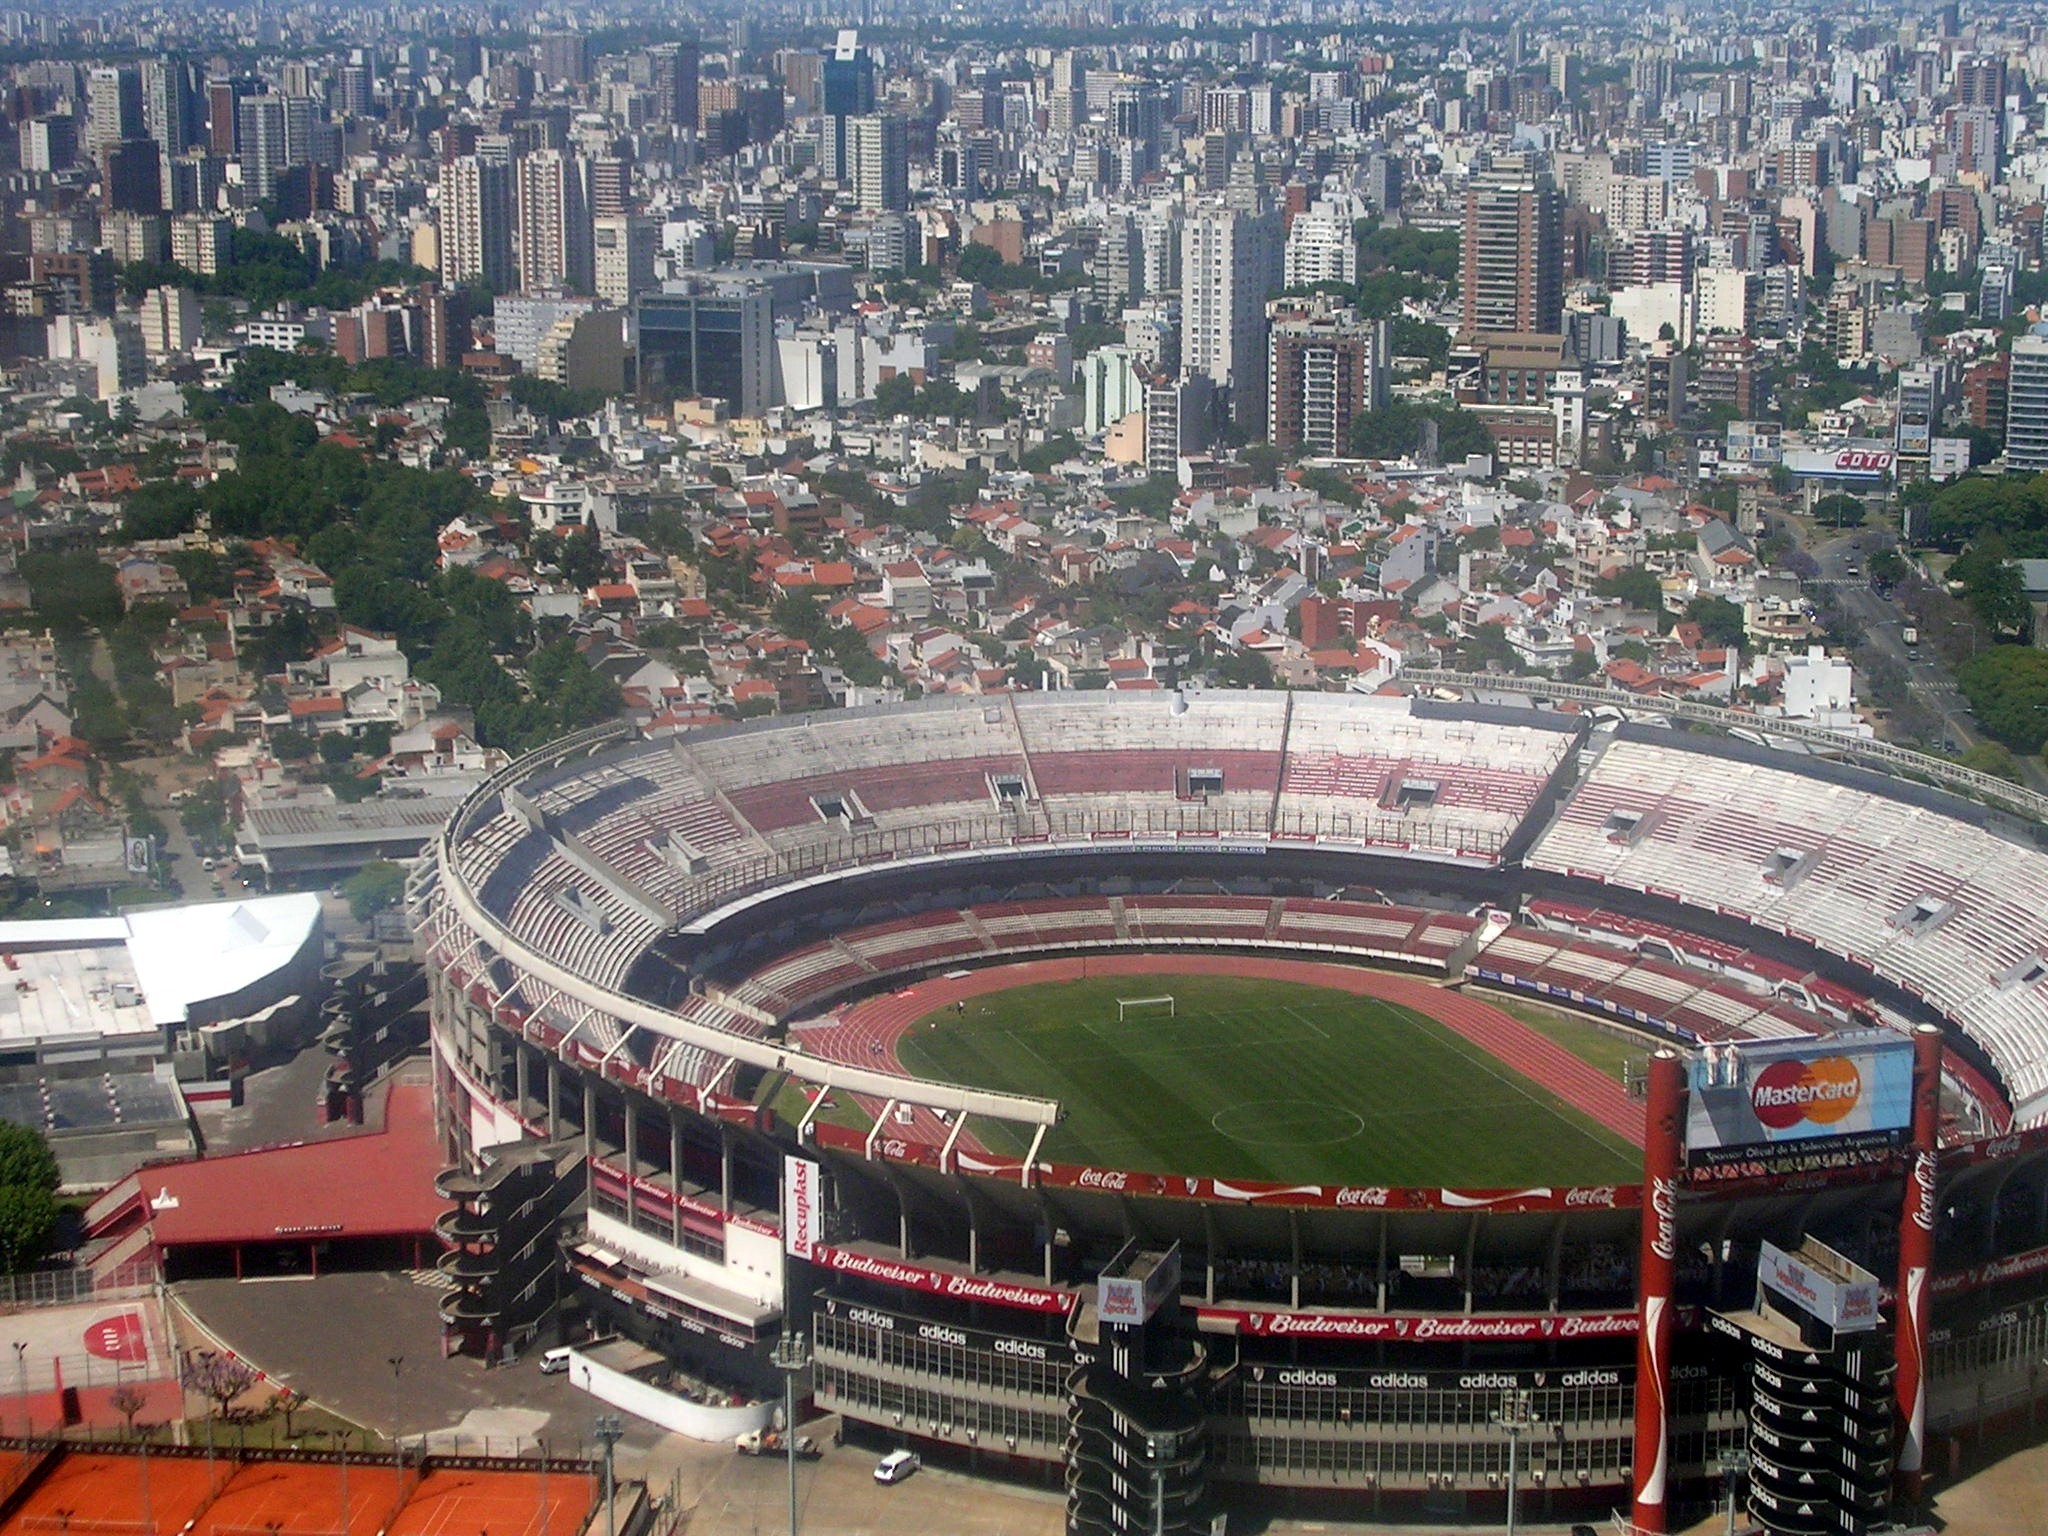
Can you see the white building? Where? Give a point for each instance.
(201, 242)
(1820, 688)
(170, 321)
(2026, 404)
(477, 219)
(1725, 299)
(1112, 388)
(624, 246)
(1321, 249)
(554, 223)
(1231, 263)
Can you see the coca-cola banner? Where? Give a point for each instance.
(1359, 1197)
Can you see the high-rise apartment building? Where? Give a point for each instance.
(1326, 367)
(131, 177)
(49, 143)
(261, 135)
(847, 85)
(676, 70)
(171, 112)
(880, 147)
(1230, 266)
(623, 247)
(1511, 264)
(554, 223)
(477, 220)
(113, 107)
(564, 57)
(1321, 249)
(2026, 405)
(717, 344)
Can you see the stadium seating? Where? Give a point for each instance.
(1944, 908)
(1691, 1002)
(590, 858)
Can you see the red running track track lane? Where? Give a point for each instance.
(882, 1019)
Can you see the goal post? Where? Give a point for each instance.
(1146, 1007)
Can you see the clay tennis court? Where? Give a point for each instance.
(96, 1494)
(465, 1503)
(283, 1498)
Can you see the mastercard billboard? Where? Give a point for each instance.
(1748, 1099)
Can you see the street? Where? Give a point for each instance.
(1882, 626)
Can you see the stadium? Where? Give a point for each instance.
(1318, 1021)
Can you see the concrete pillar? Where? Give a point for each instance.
(631, 1132)
(675, 1172)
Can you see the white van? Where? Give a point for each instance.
(896, 1466)
(555, 1361)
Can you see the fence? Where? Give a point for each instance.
(68, 1287)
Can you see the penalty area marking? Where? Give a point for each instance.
(1287, 1123)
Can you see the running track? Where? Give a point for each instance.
(880, 1020)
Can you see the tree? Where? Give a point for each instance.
(1994, 587)
(1989, 757)
(71, 589)
(161, 509)
(291, 744)
(897, 394)
(1243, 669)
(981, 264)
(1636, 587)
(583, 559)
(1399, 429)
(28, 1196)
(217, 1376)
(1720, 621)
(1263, 460)
(287, 1402)
(1839, 511)
(2007, 687)
(128, 1400)
(376, 887)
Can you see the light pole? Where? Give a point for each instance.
(792, 1356)
(397, 1364)
(608, 1429)
(1514, 1416)
(1734, 1466)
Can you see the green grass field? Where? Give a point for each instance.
(1262, 1080)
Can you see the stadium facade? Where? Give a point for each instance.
(637, 947)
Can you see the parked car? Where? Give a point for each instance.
(896, 1466)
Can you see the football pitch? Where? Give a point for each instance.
(1258, 1079)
